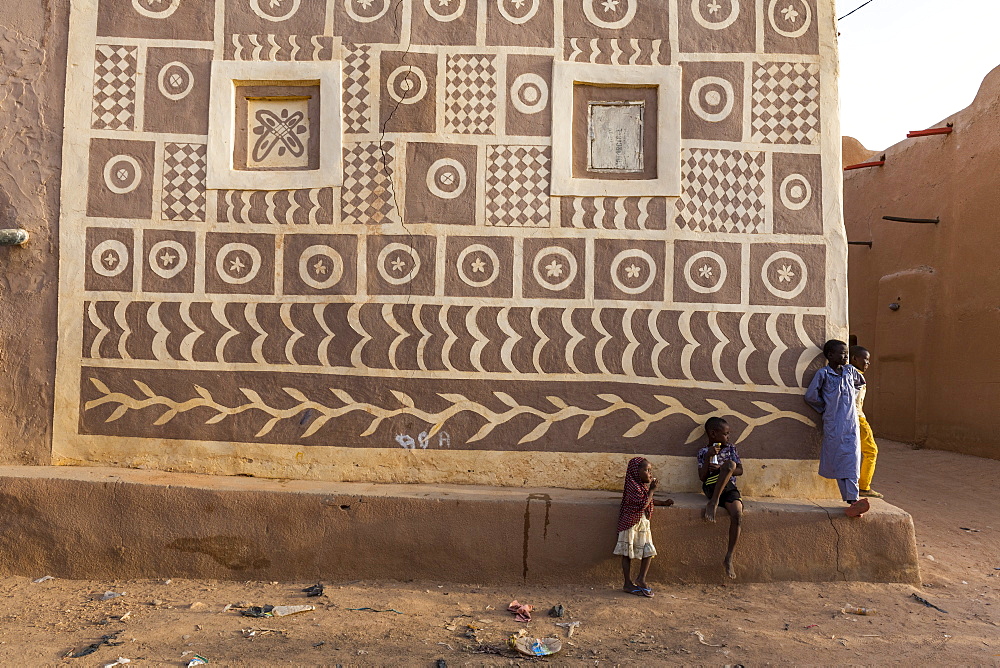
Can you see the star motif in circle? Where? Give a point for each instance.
(553, 269)
(276, 3)
(632, 271)
(610, 5)
(167, 258)
(785, 274)
(236, 266)
(320, 267)
(443, 3)
(111, 259)
(479, 265)
(518, 3)
(365, 3)
(705, 271)
(714, 7)
(790, 14)
(398, 264)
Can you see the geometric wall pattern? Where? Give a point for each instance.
(443, 268)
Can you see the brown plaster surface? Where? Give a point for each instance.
(32, 78)
(99, 522)
(934, 371)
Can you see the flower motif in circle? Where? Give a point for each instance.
(237, 263)
(622, 12)
(371, 10)
(556, 262)
(451, 12)
(714, 7)
(398, 264)
(478, 265)
(790, 15)
(275, 11)
(156, 9)
(514, 11)
(109, 258)
(168, 258)
(705, 272)
(716, 19)
(792, 271)
(634, 279)
(610, 5)
(320, 267)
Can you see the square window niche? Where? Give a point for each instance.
(616, 130)
(275, 125)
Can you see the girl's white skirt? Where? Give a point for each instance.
(636, 542)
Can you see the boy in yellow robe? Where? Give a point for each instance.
(861, 359)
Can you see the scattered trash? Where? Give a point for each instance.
(537, 646)
(842, 641)
(930, 557)
(557, 611)
(927, 603)
(167, 581)
(108, 595)
(315, 590)
(285, 610)
(258, 611)
(870, 635)
(44, 578)
(472, 632)
(197, 660)
(811, 626)
(569, 626)
(852, 610)
(108, 640)
(787, 626)
(441, 663)
(701, 639)
(447, 645)
(125, 616)
(197, 605)
(968, 529)
(156, 602)
(121, 661)
(521, 611)
(376, 610)
(253, 633)
(319, 644)
(490, 607)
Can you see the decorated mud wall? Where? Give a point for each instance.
(497, 241)
(933, 377)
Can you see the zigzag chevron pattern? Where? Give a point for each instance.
(614, 213)
(279, 47)
(617, 51)
(761, 349)
(277, 207)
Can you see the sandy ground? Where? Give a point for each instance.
(168, 623)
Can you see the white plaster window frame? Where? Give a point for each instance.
(226, 77)
(666, 79)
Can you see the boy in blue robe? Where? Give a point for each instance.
(833, 393)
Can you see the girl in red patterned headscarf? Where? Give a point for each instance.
(635, 540)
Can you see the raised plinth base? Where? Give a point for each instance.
(94, 523)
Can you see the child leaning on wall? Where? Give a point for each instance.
(861, 359)
(833, 392)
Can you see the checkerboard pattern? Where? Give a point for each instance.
(786, 103)
(184, 169)
(723, 191)
(470, 95)
(367, 196)
(114, 87)
(517, 186)
(357, 76)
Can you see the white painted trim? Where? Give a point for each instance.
(667, 79)
(222, 123)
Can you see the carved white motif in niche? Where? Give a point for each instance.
(278, 134)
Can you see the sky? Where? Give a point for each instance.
(907, 64)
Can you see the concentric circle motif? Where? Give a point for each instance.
(122, 174)
(788, 268)
(623, 9)
(795, 192)
(168, 258)
(321, 267)
(554, 268)
(446, 178)
(705, 272)
(175, 81)
(712, 99)
(529, 93)
(392, 264)
(275, 10)
(109, 258)
(716, 19)
(237, 263)
(518, 16)
(367, 6)
(790, 17)
(407, 84)
(146, 8)
(483, 267)
(633, 271)
(456, 12)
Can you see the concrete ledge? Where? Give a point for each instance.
(95, 523)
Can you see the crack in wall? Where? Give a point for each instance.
(833, 525)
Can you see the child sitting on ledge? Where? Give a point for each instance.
(718, 465)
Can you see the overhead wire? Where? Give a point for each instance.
(854, 10)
